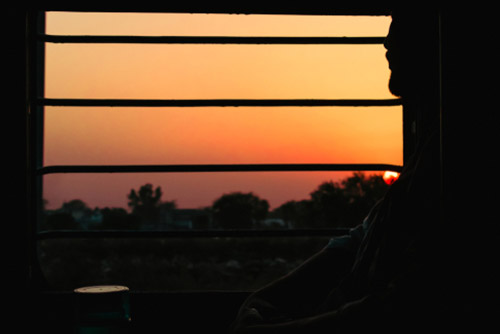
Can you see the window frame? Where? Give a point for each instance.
(37, 102)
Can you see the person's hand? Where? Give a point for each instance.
(250, 316)
(247, 317)
(256, 313)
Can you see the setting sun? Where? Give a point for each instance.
(390, 177)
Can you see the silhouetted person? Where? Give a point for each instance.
(400, 263)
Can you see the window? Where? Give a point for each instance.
(251, 110)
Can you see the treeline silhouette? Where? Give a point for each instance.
(186, 264)
(331, 204)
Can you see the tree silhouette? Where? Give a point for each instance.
(361, 192)
(329, 205)
(118, 219)
(60, 221)
(145, 203)
(74, 206)
(239, 210)
(298, 214)
(335, 204)
(68, 216)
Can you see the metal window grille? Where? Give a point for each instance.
(38, 102)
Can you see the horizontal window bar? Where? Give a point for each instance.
(216, 168)
(209, 40)
(226, 8)
(220, 103)
(192, 233)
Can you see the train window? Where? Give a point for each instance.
(206, 151)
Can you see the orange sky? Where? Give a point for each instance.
(213, 135)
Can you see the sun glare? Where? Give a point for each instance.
(390, 177)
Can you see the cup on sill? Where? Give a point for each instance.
(102, 309)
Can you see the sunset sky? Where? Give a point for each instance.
(77, 135)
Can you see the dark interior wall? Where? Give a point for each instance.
(15, 269)
(469, 144)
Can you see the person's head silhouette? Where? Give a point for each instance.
(413, 56)
(411, 52)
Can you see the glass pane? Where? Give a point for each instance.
(216, 71)
(180, 24)
(223, 135)
(191, 201)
